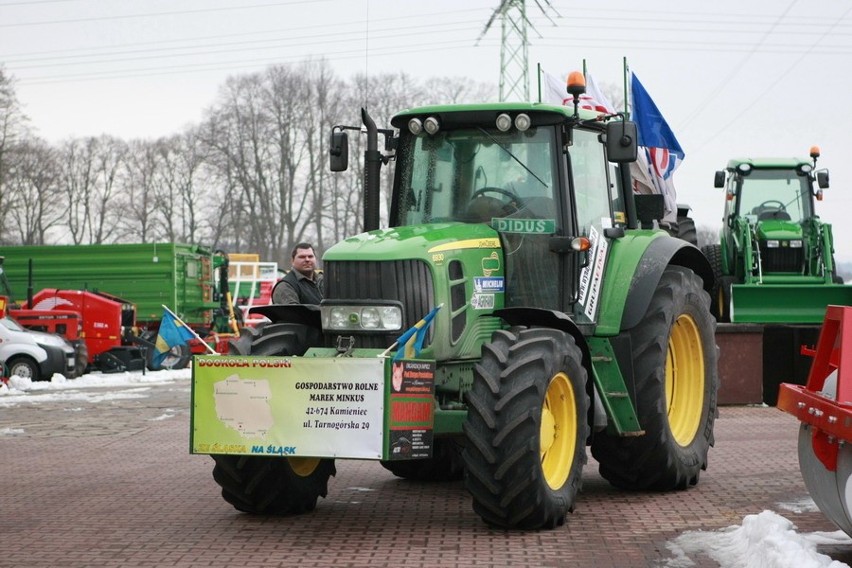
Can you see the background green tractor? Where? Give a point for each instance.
(775, 261)
(558, 324)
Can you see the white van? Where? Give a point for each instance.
(33, 354)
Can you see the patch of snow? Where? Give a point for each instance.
(765, 540)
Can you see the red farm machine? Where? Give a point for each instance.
(824, 408)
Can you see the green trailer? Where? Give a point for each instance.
(186, 278)
(179, 276)
(512, 314)
(775, 260)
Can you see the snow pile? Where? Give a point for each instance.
(765, 540)
(126, 385)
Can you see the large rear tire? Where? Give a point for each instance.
(674, 357)
(526, 429)
(720, 305)
(686, 230)
(270, 485)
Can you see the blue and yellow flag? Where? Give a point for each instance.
(410, 343)
(172, 332)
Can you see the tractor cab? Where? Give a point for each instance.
(770, 203)
(507, 170)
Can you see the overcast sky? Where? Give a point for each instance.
(756, 78)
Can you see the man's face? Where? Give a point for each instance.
(305, 262)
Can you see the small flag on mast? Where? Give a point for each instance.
(411, 342)
(172, 332)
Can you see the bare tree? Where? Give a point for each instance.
(139, 193)
(707, 236)
(257, 147)
(178, 187)
(37, 204)
(13, 130)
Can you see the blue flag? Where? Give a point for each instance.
(410, 343)
(172, 332)
(654, 131)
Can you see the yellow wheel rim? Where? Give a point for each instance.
(685, 380)
(721, 305)
(558, 436)
(303, 467)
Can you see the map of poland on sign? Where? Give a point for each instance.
(244, 405)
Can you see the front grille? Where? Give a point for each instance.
(406, 281)
(782, 259)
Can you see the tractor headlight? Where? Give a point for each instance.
(772, 244)
(504, 122)
(361, 318)
(796, 244)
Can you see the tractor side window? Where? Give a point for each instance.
(617, 194)
(592, 192)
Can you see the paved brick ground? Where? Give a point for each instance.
(113, 484)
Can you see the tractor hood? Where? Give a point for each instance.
(414, 241)
(778, 229)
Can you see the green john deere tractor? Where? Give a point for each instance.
(775, 261)
(542, 320)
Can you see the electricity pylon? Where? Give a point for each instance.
(514, 42)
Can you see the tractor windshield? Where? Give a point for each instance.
(476, 174)
(775, 194)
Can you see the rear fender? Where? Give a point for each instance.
(641, 261)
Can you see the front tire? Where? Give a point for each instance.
(24, 367)
(526, 429)
(274, 485)
(723, 299)
(674, 357)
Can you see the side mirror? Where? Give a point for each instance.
(621, 142)
(338, 153)
(719, 180)
(822, 179)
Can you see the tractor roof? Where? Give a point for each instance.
(488, 110)
(769, 163)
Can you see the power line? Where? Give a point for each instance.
(781, 76)
(157, 14)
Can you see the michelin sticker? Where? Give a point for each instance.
(488, 284)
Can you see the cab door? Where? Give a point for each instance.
(592, 193)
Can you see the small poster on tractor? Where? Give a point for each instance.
(412, 400)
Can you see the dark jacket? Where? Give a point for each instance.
(295, 288)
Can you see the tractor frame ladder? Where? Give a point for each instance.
(252, 282)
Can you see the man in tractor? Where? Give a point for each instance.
(303, 283)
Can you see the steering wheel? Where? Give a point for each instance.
(511, 196)
(773, 204)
